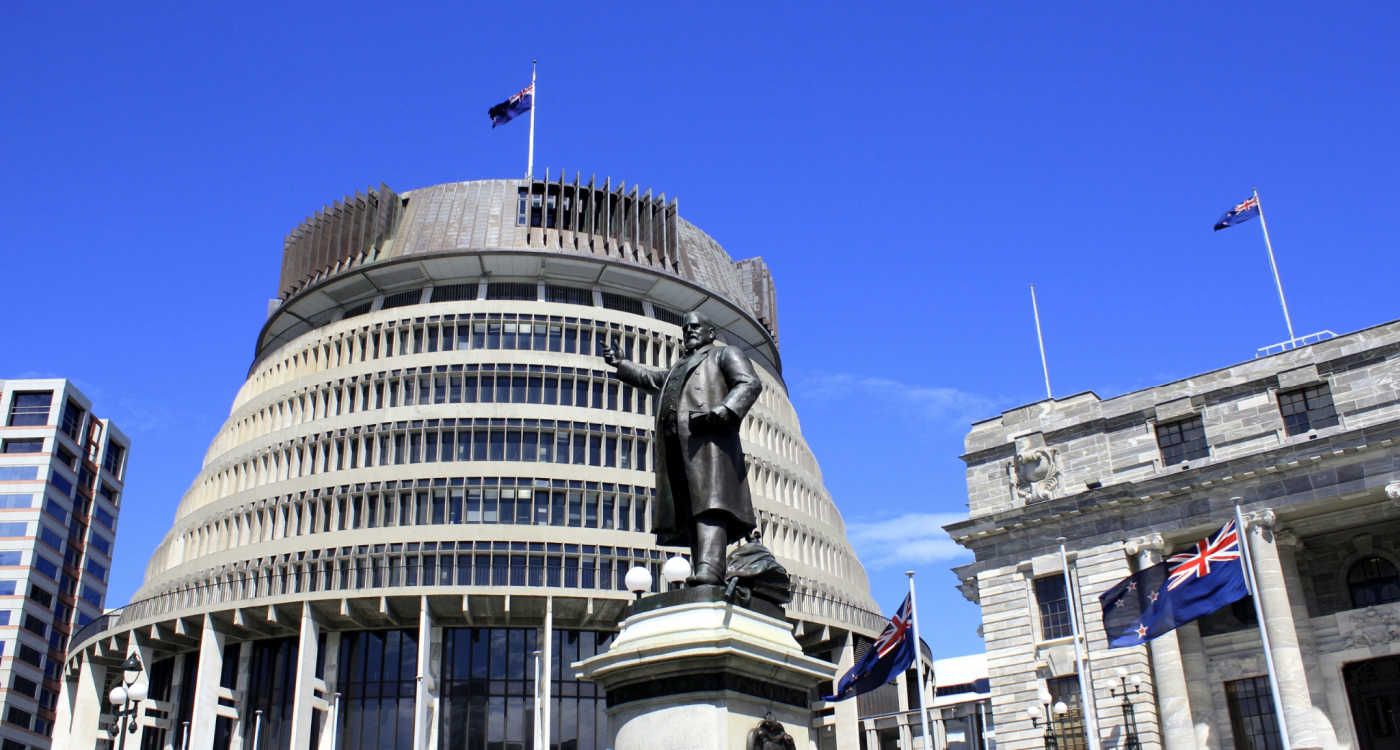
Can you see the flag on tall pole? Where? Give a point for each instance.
(1081, 661)
(518, 104)
(1244, 211)
(914, 619)
(888, 657)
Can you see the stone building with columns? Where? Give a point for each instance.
(1307, 441)
(430, 476)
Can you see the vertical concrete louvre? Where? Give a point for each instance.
(425, 694)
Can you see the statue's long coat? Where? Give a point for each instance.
(715, 478)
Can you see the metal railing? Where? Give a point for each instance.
(1301, 341)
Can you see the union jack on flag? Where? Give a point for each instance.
(1223, 547)
(1243, 211)
(894, 632)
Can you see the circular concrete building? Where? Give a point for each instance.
(430, 475)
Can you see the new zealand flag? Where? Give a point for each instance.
(891, 654)
(518, 104)
(1242, 212)
(1189, 584)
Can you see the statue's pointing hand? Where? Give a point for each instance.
(611, 354)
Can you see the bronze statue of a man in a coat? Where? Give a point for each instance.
(702, 490)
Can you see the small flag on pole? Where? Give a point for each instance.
(891, 654)
(518, 104)
(1242, 212)
(1188, 585)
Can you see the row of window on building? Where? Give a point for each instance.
(1302, 409)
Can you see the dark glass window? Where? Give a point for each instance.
(455, 292)
(1053, 604)
(667, 315)
(1182, 440)
(72, 421)
(30, 408)
(1372, 581)
(377, 679)
(512, 290)
(271, 686)
(1307, 409)
(571, 295)
(24, 445)
(1252, 717)
(112, 459)
(401, 299)
(622, 302)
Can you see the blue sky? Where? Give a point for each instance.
(906, 171)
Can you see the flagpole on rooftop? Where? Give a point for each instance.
(1081, 663)
(1251, 582)
(929, 743)
(535, 102)
(1269, 246)
(1035, 310)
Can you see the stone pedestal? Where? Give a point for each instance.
(689, 671)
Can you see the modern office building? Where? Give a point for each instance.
(430, 474)
(1307, 440)
(959, 702)
(61, 472)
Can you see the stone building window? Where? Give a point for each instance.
(1307, 409)
(1182, 440)
(1053, 604)
(1252, 717)
(1373, 580)
(1069, 728)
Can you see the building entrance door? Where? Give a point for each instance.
(1373, 689)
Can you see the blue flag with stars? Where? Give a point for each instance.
(1243, 211)
(888, 657)
(1188, 585)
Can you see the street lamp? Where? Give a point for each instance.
(1129, 716)
(1057, 709)
(676, 570)
(638, 580)
(126, 699)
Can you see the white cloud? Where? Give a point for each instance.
(912, 538)
(938, 403)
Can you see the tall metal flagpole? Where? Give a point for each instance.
(1086, 689)
(929, 743)
(1035, 309)
(1253, 585)
(1269, 246)
(535, 103)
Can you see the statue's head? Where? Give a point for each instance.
(698, 331)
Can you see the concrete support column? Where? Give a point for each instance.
(177, 685)
(1168, 670)
(304, 688)
(206, 687)
(86, 707)
(330, 725)
(425, 697)
(847, 715)
(1283, 633)
(142, 649)
(244, 718)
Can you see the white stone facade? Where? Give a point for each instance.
(428, 439)
(1306, 440)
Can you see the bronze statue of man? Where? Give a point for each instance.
(702, 489)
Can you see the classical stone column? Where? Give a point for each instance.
(1168, 671)
(304, 688)
(1193, 662)
(1292, 673)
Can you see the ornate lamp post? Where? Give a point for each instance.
(1130, 729)
(126, 699)
(1058, 709)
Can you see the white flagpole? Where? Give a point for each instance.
(1035, 309)
(1269, 246)
(539, 705)
(1252, 583)
(1086, 688)
(547, 657)
(534, 103)
(919, 662)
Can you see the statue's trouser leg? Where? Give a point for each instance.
(707, 548)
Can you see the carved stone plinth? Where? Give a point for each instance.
(702, 673)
